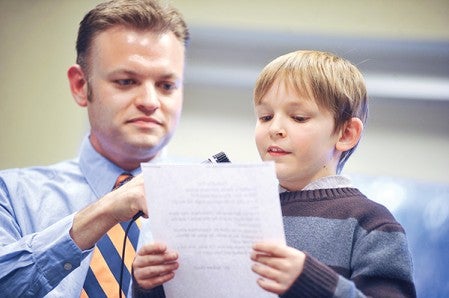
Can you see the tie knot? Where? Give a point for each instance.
(122, 179)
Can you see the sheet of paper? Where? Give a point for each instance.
(211, 214)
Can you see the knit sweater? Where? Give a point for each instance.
(354, 246)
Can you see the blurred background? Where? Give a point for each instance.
(402, 48)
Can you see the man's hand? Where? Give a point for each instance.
(154, 265)
(95, 220)
(127, 200)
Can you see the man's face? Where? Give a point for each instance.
(135, 83)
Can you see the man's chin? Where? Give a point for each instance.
(147, 146)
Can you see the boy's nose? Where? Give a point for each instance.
(278, 133)
(276, 129)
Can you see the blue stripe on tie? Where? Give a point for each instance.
(92, 287)
(133, 236)
(110, 254)
(133, 233)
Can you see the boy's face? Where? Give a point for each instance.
(297, 135)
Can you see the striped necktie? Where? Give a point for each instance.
(103, 276)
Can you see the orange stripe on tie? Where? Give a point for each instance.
(101, 270)
(139, 223)
(117, 234)
(83, 294)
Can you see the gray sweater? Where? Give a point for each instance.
(354, 247)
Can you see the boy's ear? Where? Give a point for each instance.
(78, 84)
(350, 134)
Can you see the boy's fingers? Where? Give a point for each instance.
(266, 272)
(269, 261)
(156, 281)
(271, 249)
(155, 271)
(154, 248)
(270, 285)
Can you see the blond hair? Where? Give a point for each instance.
(333, 82)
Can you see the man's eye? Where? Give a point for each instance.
(167, 86)
(125, 82)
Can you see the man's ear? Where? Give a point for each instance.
(350, 134)
(78, 84)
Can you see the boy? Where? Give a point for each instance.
(311, 107)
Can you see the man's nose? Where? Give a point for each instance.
(148, 99)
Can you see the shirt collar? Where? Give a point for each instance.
(100, 172)
(334, 181)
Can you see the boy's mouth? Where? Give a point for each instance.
(276, 151)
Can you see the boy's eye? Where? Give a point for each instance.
(265, 118)
(300, 118)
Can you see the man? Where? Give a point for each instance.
(129, 76)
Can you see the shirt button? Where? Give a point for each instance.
(68, 266)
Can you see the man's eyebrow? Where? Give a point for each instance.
(170, 75)
(122, 71)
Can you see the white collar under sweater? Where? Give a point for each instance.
(334, 181)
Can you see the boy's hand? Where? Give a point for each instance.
(278, 265)
(154, 265)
